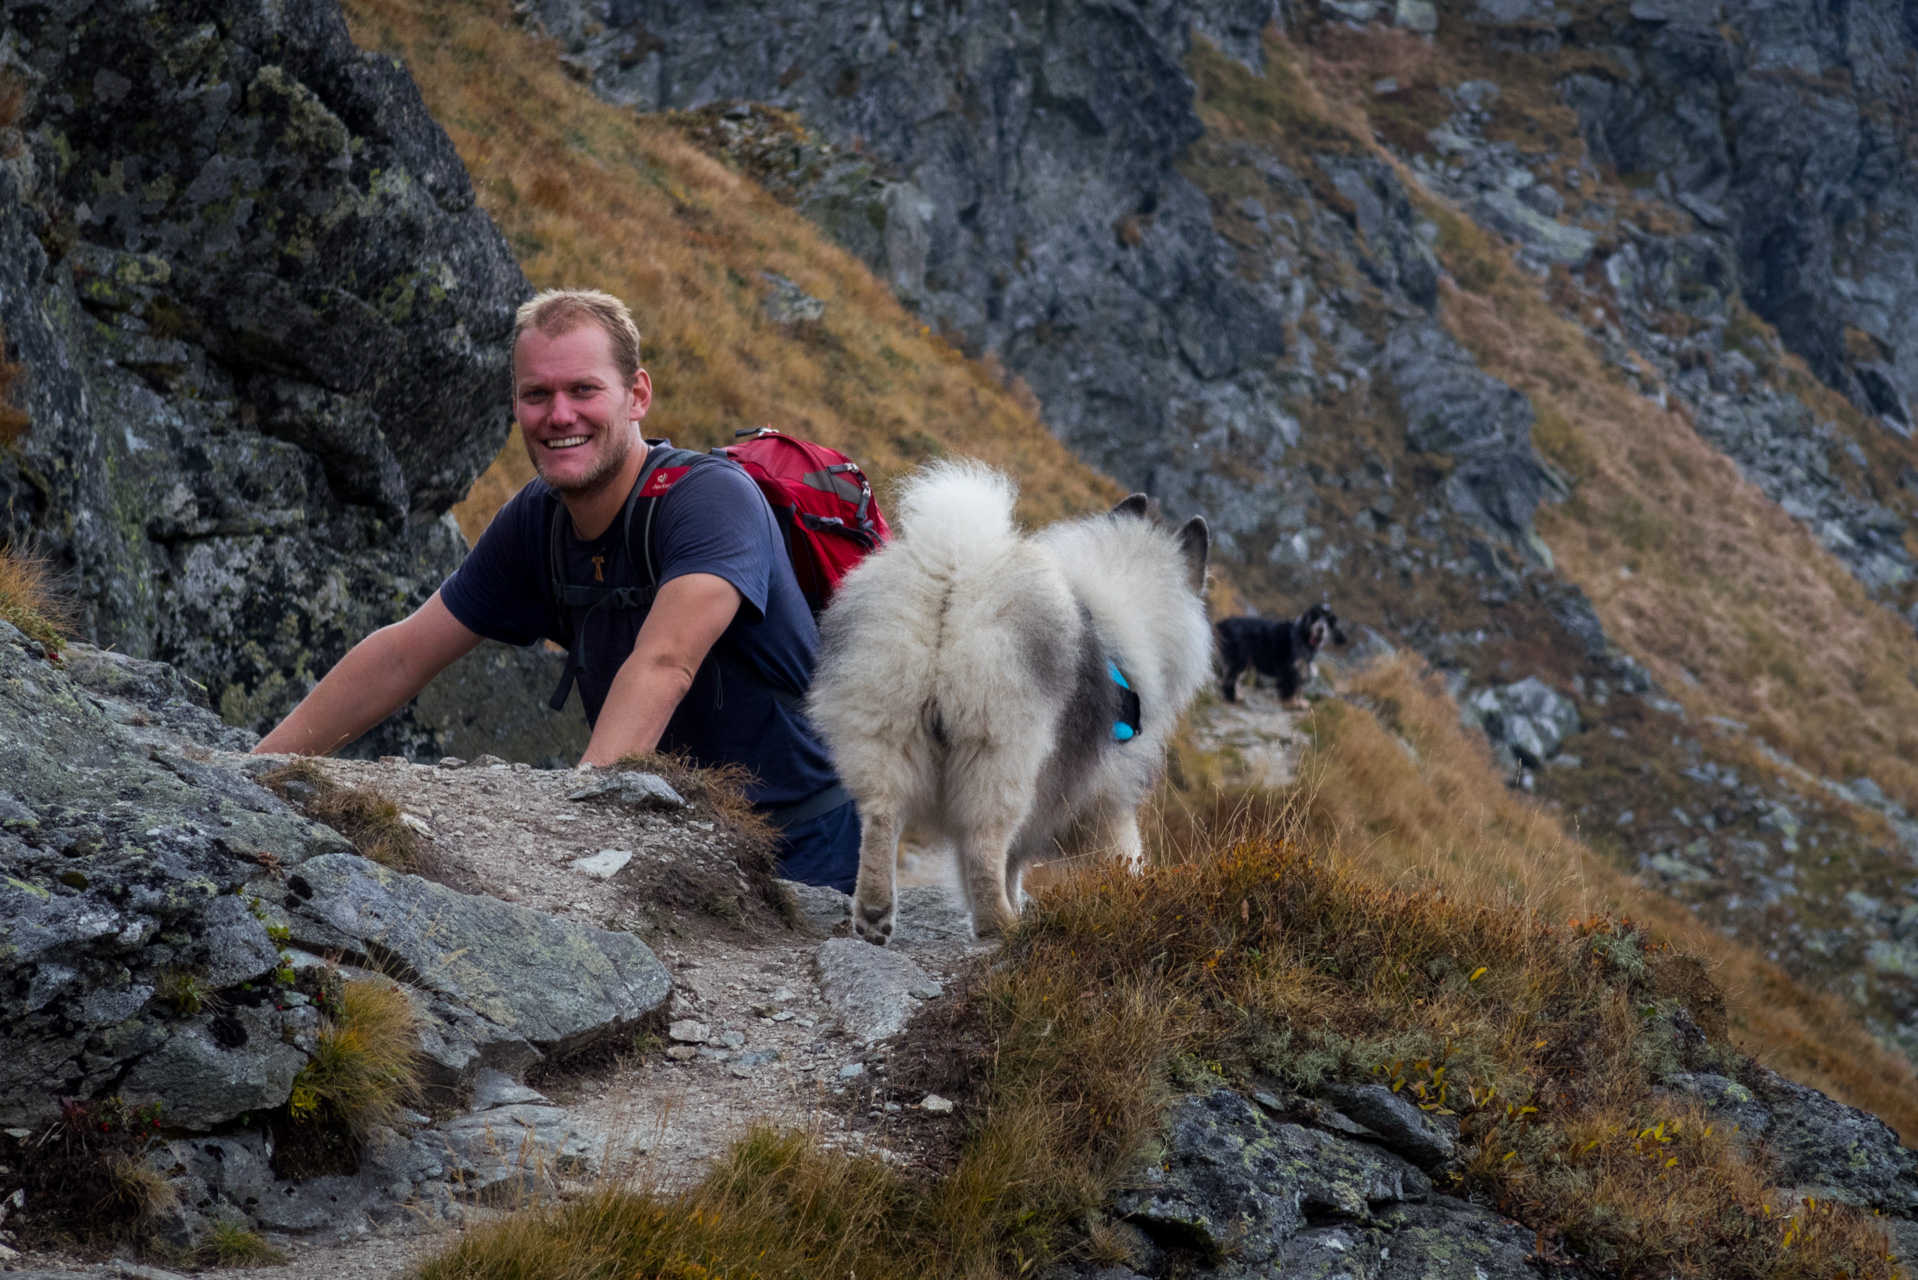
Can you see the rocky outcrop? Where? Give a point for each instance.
(265, 327)
(1283, 1197)
(168, 928)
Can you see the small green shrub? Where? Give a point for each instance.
(184, 990)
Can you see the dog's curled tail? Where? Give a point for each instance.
(951, 511)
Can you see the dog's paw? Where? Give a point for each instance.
(873, 922)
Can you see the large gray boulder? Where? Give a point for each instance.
(266, 330)
(555, 984)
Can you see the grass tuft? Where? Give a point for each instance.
(182, 989)
(29, 601)
(233, 1244)
(139, 1191)
(364, 1072)
(368, 817)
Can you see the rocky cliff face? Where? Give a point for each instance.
(1222, 294)
(266, 330)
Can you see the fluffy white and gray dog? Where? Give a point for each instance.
(1012, 693)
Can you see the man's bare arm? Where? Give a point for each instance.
(687, 618)
(372, 681)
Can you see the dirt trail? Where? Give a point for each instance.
(1258, 739)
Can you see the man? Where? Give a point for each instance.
(714, 668)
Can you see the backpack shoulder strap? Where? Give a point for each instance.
(649, 492)
(565, 597)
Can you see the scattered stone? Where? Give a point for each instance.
(732, 1039)
(687, 1031)
(852, 1070)
(743, 1065)
(1420, 16)
(821, 909)
(637, 790)
(928, 990)
(452, 762)
(927, 914)
(787, 303)
(1528, 719)
(682, 1053)
(605, 864)
(489, 762)
(868, 988)
(937, 1105)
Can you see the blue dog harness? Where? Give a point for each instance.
(1126, 727)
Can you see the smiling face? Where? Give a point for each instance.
(578, 414)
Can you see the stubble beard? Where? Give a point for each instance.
(605, 469)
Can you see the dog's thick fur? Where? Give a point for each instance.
(963, 684)
(1281, 649)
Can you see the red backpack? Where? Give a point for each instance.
(823, 502)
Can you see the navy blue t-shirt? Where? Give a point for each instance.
(713, 520)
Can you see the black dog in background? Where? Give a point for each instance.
(1281, 648)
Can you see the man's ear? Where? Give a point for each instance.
(642, 394)
(1134, 506)
(1194, 541)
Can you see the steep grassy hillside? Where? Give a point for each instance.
(590, 195)
(1395, 787)
(1785, 674)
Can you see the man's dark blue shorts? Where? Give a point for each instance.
(823, 850)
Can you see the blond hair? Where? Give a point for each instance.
(557, 311)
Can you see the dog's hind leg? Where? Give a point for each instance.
(874, 897)
(985, 870)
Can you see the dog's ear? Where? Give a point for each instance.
(1194, 542)
(1134, 506)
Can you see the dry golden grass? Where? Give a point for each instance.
(367, 816)
(593, 195)
(1400, 791)
(139, 1191)
(232, 1244)
(29, 600)
(364, 1071)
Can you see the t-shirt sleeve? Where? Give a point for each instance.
(715, 521)
(498, 591)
